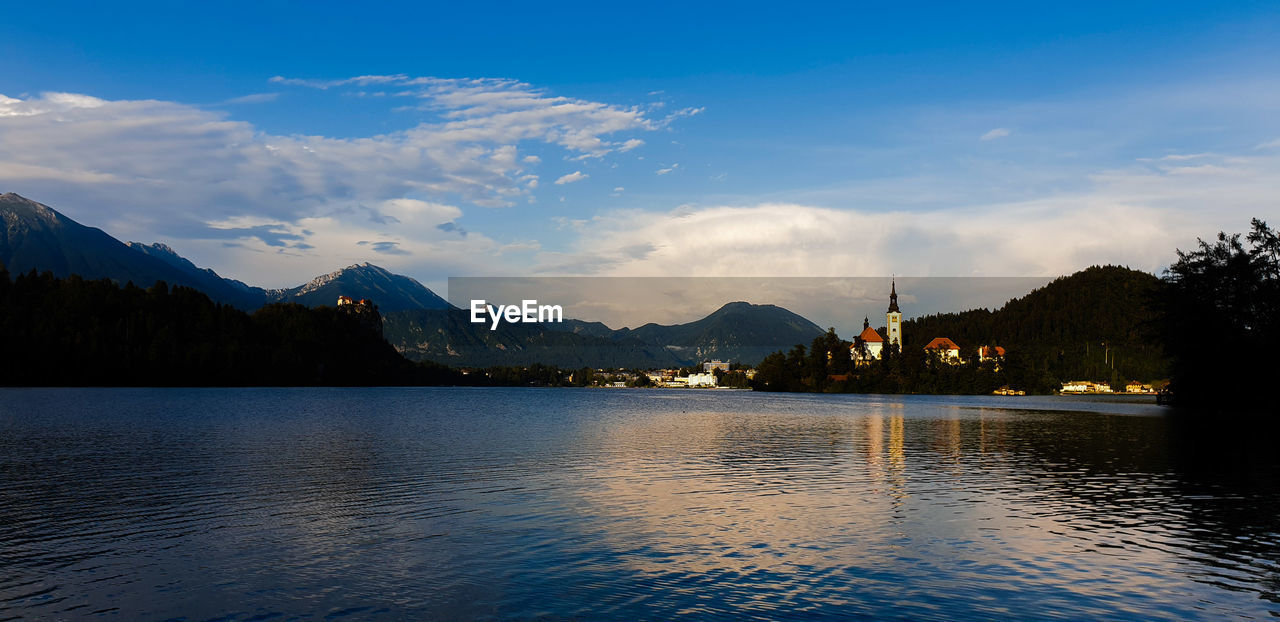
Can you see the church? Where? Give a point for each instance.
(869, 344)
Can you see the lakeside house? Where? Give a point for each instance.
(1085, 386)
(699, 380)
(670, 378)
(867, 345)
(1138, 387)
(944, 348)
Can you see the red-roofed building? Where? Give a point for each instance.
(990, 352)
(867, 345)
(946, 348)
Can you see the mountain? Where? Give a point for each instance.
(37, 237)
(448, 336)
(737, 331)
(166, 254)
(391, 292)
(78, 332)
(206, 280)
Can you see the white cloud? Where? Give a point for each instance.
(998, 132)
(328, 84)
(664, 171)
(254, 98)
(629, 145)
(678, 114)
(1135, 217)
(571, 177)
(159, 170)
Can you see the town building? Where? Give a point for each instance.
(945, 348)
(347, 300)
(869, 344)
(1138, 387)
(700, 380)
(1084, 386)
(711, 366)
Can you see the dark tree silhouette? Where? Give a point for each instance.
(1221, 321)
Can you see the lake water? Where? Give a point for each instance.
(448, 503)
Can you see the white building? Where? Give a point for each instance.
(946, 348)
(869, 344)
(700, 380)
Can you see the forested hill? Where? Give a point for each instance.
(76, 332)
(1077, 327)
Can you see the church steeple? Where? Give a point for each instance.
(893, 317)
(866, 323)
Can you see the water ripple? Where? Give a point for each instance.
(259, 504)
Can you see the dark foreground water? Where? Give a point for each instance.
(560, 503)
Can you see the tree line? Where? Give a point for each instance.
(77, 332)
(1220, 319)
(1211, 325)
(1093, 325)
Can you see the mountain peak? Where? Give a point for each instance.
(36, 237)
(18, 207)
(391, 292)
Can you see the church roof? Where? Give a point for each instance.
(870, 335)
(942, 343)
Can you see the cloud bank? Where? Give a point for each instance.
(1135, 216)
(147, 168)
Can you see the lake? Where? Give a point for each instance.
(467, 503)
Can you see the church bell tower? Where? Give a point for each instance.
(893, 318)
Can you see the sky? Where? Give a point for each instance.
(275, 141)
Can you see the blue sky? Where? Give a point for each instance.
(275, 141)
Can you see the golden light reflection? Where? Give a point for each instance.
(875, 440)
(737, 494)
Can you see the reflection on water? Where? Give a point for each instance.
(528, 503)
